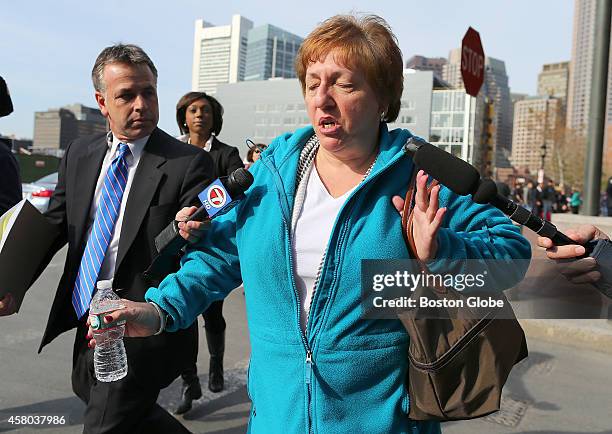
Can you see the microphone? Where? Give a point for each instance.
(463, 179)
(458, 175)
(217, 199)
(487, 193)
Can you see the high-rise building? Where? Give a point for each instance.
(422, 63)
(219, 53)
(579, 92)
(516, 97)
(553, 80)
(536, 124)
(271, 53)
(495, 89)
(56, 128)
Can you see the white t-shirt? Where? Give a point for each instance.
(312, 231)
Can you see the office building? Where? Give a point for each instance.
(56, 128)
(263, 110)
(422, 63)
(537, 122)
(581, 66)
(271, 53)
(457, 121)
(553, 80)
(219, 53)
(495, 90)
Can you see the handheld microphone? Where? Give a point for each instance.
(463, 179)
(458, 175)
(487, 193)
(217, 199)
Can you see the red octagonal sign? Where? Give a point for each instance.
(472, 62)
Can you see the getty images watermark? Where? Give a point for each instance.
(449, 288)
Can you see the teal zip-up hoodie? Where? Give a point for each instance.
(346, 374)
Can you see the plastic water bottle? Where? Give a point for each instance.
(110, 360)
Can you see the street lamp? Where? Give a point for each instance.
(542, 159)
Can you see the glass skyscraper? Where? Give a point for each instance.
(270, 53)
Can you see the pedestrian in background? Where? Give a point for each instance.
(609, 196)
(575, 201)
(200, 118)
(254, 153)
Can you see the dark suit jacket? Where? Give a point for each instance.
(169, 176)
(226, 158)
(10, 187)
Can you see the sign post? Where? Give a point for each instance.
(472, 62)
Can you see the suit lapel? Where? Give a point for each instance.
(143, 188)
(87, 172)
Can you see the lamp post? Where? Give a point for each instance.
(542, 160)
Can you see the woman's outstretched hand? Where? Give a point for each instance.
(427, 217)
(141, 320)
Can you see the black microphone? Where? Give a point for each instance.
(487, 193)
(217, 199)
(456, 174)
(463, 179)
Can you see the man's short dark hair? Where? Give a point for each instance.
(119, 53)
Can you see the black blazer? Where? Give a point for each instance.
(10, 187)
(169, 176)
(226, 158)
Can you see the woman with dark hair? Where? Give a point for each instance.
(254, 154)
(200, 118)
(609, 197)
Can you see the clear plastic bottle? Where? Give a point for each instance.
(110, 360)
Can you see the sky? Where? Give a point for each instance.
(47, 48)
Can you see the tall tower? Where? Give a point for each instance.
(219, 53)
(581, 67)
(271, 53)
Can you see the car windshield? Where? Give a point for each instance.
(49, 179)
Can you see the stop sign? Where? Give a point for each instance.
(472, 62)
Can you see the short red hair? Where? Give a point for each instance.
(365, 43)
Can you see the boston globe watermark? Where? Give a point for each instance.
(448, 289)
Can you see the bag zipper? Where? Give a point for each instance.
(458, 346)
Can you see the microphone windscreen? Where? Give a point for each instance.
(486, 191)
(239, 181)
(453, 172)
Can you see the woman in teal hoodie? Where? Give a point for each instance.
(323, 199)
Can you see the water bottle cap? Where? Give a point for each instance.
(104, 284)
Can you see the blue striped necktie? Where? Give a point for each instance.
(101, 231)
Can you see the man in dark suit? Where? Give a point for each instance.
(133, 180)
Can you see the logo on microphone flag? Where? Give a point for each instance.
(214, 197)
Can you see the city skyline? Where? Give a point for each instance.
(59, 74)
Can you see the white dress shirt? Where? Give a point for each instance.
(107, 270)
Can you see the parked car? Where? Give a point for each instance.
(39, 192)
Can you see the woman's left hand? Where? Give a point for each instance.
(427, 217)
